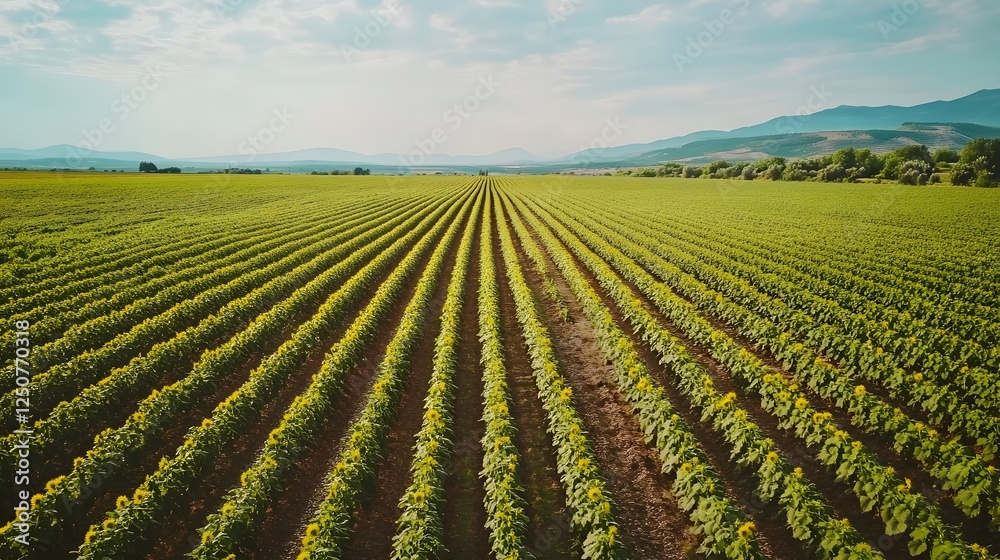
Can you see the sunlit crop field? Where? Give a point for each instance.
(509, 367)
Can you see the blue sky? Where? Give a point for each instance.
(185, 78)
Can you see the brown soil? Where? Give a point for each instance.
(224, 473)
(652, 524)
(463, 514)
(548, 528)
(882, 392)
(178, 533)
(293, 506)
(375, 520)
(124, 479)
(291, 509)
(741, 484)
(58, 459)
(976, 530)
(790, 446)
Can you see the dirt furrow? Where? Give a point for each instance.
(977, 530)
(790, 446)
(548, 530)
(284, 523)
(652, 524)
(776, 541)
(375, 520)
(464, 513)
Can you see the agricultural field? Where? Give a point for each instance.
(509, 367)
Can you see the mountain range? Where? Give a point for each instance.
(936, 124)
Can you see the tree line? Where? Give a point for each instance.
(357, 171)
(150, 167)
(977, 164)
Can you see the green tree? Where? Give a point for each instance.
(671, 170)
(716, 166)
(692, 172)
(978, 164)
(918, 152)
(868, 164)
(983, 154)
(915, 172)
(834, 172)
(734, 171)
(763, 165)
(801, 170)
(857, 162)
(945, 155)
(846, 158)
(987, 180)
(893, 160)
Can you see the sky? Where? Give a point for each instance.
(190, 78)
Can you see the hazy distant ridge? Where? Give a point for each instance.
(877, 128)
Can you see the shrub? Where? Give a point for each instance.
(962, 174)
(983, 154)
(671, 170)
(717, 166)
(945, 155)
(764, 164)
(915, 172)
(832, 173)
(985, 179)
(691, 172)
(794, 174)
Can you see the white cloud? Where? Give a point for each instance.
(786, 8)
(29, 5)
(442, 22)
(798, 65)
(922, 43)
(656, 13)
(498, 3)
(227, 69)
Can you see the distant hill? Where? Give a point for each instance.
(67, 154)
(63, 155)
(811, 144)
(937, 124)
(334, 155)
(981, 108)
